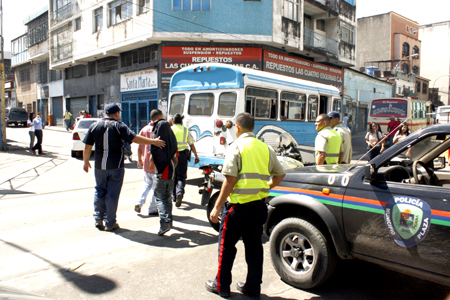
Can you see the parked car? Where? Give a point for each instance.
(16, 116)
(78, 134)
(394, 211)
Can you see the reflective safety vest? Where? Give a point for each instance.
(334, 145)
(252, 182)
(181, 133)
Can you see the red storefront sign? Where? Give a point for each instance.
(301, 68)
(176, 58)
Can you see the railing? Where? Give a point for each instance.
(62, 13)
(61, 52)
(317, 40)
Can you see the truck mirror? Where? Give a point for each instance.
(370, 173)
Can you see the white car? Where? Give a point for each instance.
(78, 134)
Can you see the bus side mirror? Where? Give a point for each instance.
(370, 173)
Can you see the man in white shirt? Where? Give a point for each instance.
(38, 127)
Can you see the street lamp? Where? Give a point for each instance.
(395, 69)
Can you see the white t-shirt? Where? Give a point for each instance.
(399, 137)
(345, 120)
(32, 125)
(374, 138)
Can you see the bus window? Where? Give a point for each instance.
(177, 104)
(337, 105)
(249, 105)
(312, 108)
(323, 105)
(227, 104)
(201, 104)
(265, 103)
(388, 108)
(292, 106)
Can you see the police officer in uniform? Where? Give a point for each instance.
(328, 145)
(346, 135)
(184, 141)
(248, 167)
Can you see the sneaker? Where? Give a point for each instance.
(114, 227)
(164, 228)
(179, 199)
(137, 208)
(99, 223)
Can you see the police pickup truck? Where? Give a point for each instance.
(393, 211)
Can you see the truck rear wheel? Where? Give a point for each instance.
(301, 253)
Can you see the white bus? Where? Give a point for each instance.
(210, 96)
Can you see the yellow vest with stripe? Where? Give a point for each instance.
(181, 133)
(334, 145)
(252, 182)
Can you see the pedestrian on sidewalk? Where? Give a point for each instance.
(373, 137)
(149, 173)
(184, 142)
(393, 126)
(30, 125)
(67, 118)
(248, 165)
(38, 127)
(108, 135)
(165, 160)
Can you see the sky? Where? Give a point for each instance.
(431, 11)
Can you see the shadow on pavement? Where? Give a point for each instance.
(93, 284)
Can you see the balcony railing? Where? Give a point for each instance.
(317, 40)
(62, 13)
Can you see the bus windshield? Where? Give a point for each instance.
(389, 108)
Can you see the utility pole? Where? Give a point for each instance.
(2, 89)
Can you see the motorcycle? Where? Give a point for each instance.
(212, 178)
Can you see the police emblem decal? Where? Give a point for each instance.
(408, 220)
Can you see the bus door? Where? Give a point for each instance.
(199, 119)
(323, 105)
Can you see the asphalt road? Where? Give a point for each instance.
(50, 247)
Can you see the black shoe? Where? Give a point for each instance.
(241, 288)
(211, 286)
(164, 228)
(154, 213)
(99, 224)
(179, 199)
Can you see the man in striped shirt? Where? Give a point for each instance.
(109, 135)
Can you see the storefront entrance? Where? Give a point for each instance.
(136, 108)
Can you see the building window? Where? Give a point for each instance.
(107, 64)
(61, 9)
(144, 6)
(139, 56)
(424, 88)
(416, 51)
(405, 68)
(119, 11)
(77, 24)
(192, 5)
(91, 68)
(55, 75)
(42, 72)
(405, 49)
(320, 24)
(416, 70)
(37, 30)
(25, 80)
(290, 9)
(98, 19)
(347, 33)
(418, 85)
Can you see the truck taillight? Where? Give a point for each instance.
(223, 140)
(76, 137)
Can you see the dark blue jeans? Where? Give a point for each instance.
(180, 175)
(107, 192)
(163, 196)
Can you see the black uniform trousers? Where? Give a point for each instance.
(38, 146)
(242, 221)
(179, 181)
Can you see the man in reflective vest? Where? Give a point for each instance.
(346, 135)
(328, 145)
(184, 141)
(248, 166)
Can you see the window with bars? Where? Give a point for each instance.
(119, 11)
(107, 64)
(55, 75)
(191, 5)
(42, 72)
(144, 6)
(320, 24)
(91, 68)
(37, 30)
(139, 56)
(347, 33)
(98, 19)
(290, 9)
(25, 80)
(405, 49)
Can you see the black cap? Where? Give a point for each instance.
(112, 108)
(334, 114)
(177, 118)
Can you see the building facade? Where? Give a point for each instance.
(436, 61)
(127, 51)
(389, 48)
